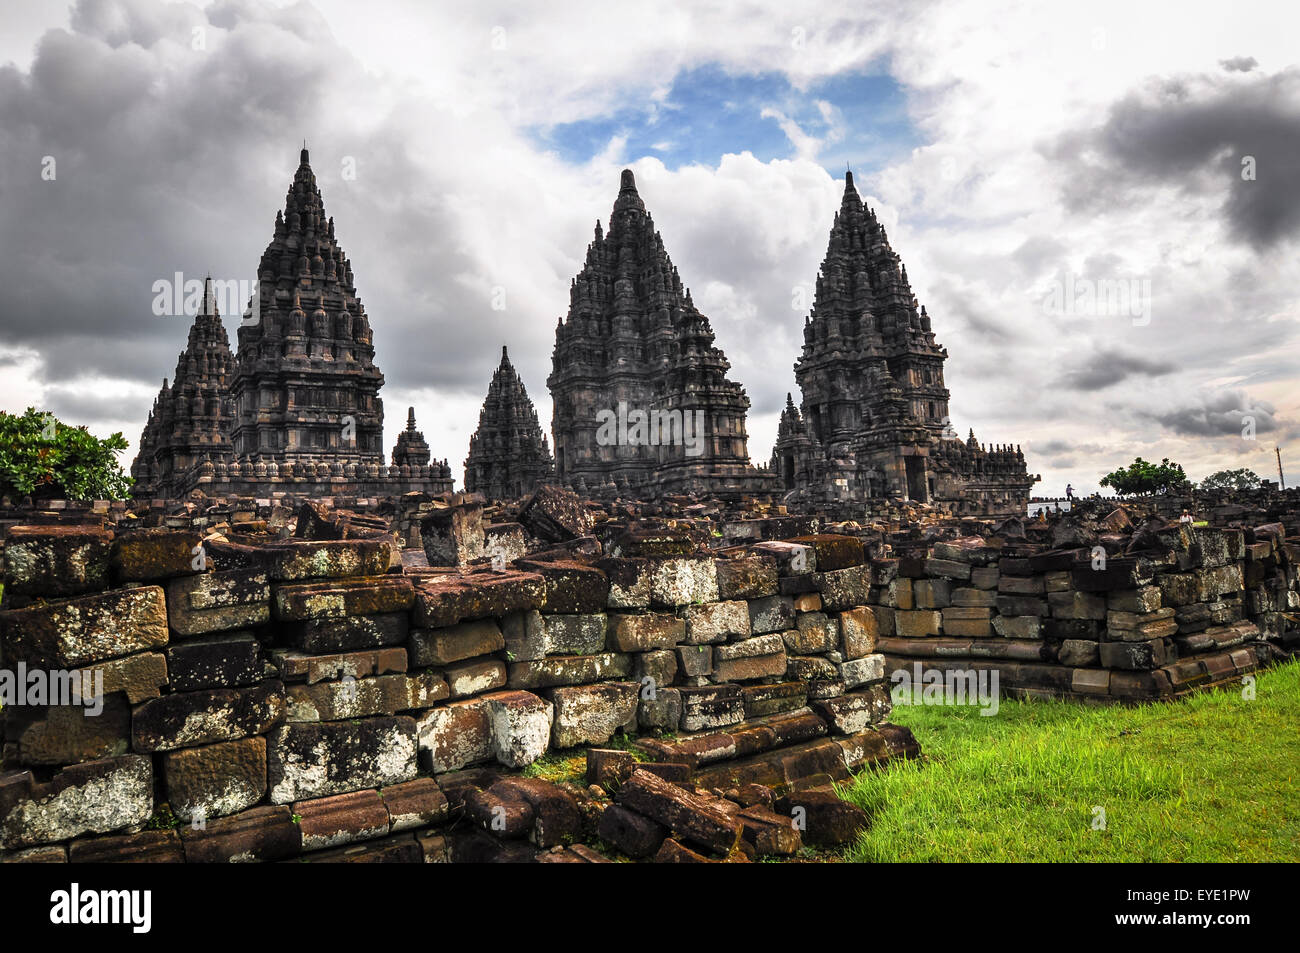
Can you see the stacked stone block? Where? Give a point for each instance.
(267, 699)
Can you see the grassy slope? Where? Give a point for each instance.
(1210, 778)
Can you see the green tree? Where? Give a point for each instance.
(1141, 476)
(1231, 480)
(39, 454)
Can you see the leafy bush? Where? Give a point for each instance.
(1141, 476)
(1231, 480)
(41, 456)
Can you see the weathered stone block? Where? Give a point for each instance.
(590, 714)
(69, 734)
(844, 588)
(218, 601)
(568, 670)
(364, 697)
(474, 677)
(695, 660)
(53, 561)
(262, 834)
(296, 560)
(341, 819)
(711, 707)
(70, 633)
(974, 598)
(870, 668)
(931, 593)
(94, 797)
(1145, 599)
(521, 726)
(569, 587)
(683, 580)
(185, 719)
(774, 699)
(1134, 655)
(833, 551)
(657, 668)
(455, 642)
(771, 614)
(699, 820)
(580, 634)
(297, 667)
(413, 804)
(662, 711)
(1078, 653)
(967, 622)
(456, 735)
(337, 599)
(138, 676)
(146, 847)
(641, 633)
(855, 711)
(330, 636)
(858, 632)
(1075, 605)
(215, 780)
(148, 555)
(748, 577)
(312, 760)
(450, 599)
(1022, 605)
(223, 661)
(917, 623)
(632, 833)
(718, 622)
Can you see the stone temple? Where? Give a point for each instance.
(642, 402)
(873, 421)
(191, 419)
(508, 454)
(300, 409)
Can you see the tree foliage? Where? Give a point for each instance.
(1141, 476)
(40, 455)
(1231, 480)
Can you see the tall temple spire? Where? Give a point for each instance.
(508, 453)
(633, 338)
(313, 336)
(874, 404)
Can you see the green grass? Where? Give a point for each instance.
(1211, 777)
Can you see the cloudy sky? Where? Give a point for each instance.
(1098, 204)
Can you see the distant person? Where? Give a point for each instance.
(1185, 518)
(1069, 493)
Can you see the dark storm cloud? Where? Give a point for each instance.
(1107, 367)
(1195, 133)
(1223, 413)
(169, 158)
(1239, 64)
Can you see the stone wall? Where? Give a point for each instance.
(300, 698)
(1190, 607)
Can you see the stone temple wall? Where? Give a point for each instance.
(1085, 624)
(331, 698)
(309, 698)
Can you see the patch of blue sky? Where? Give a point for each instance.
(858, 118)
